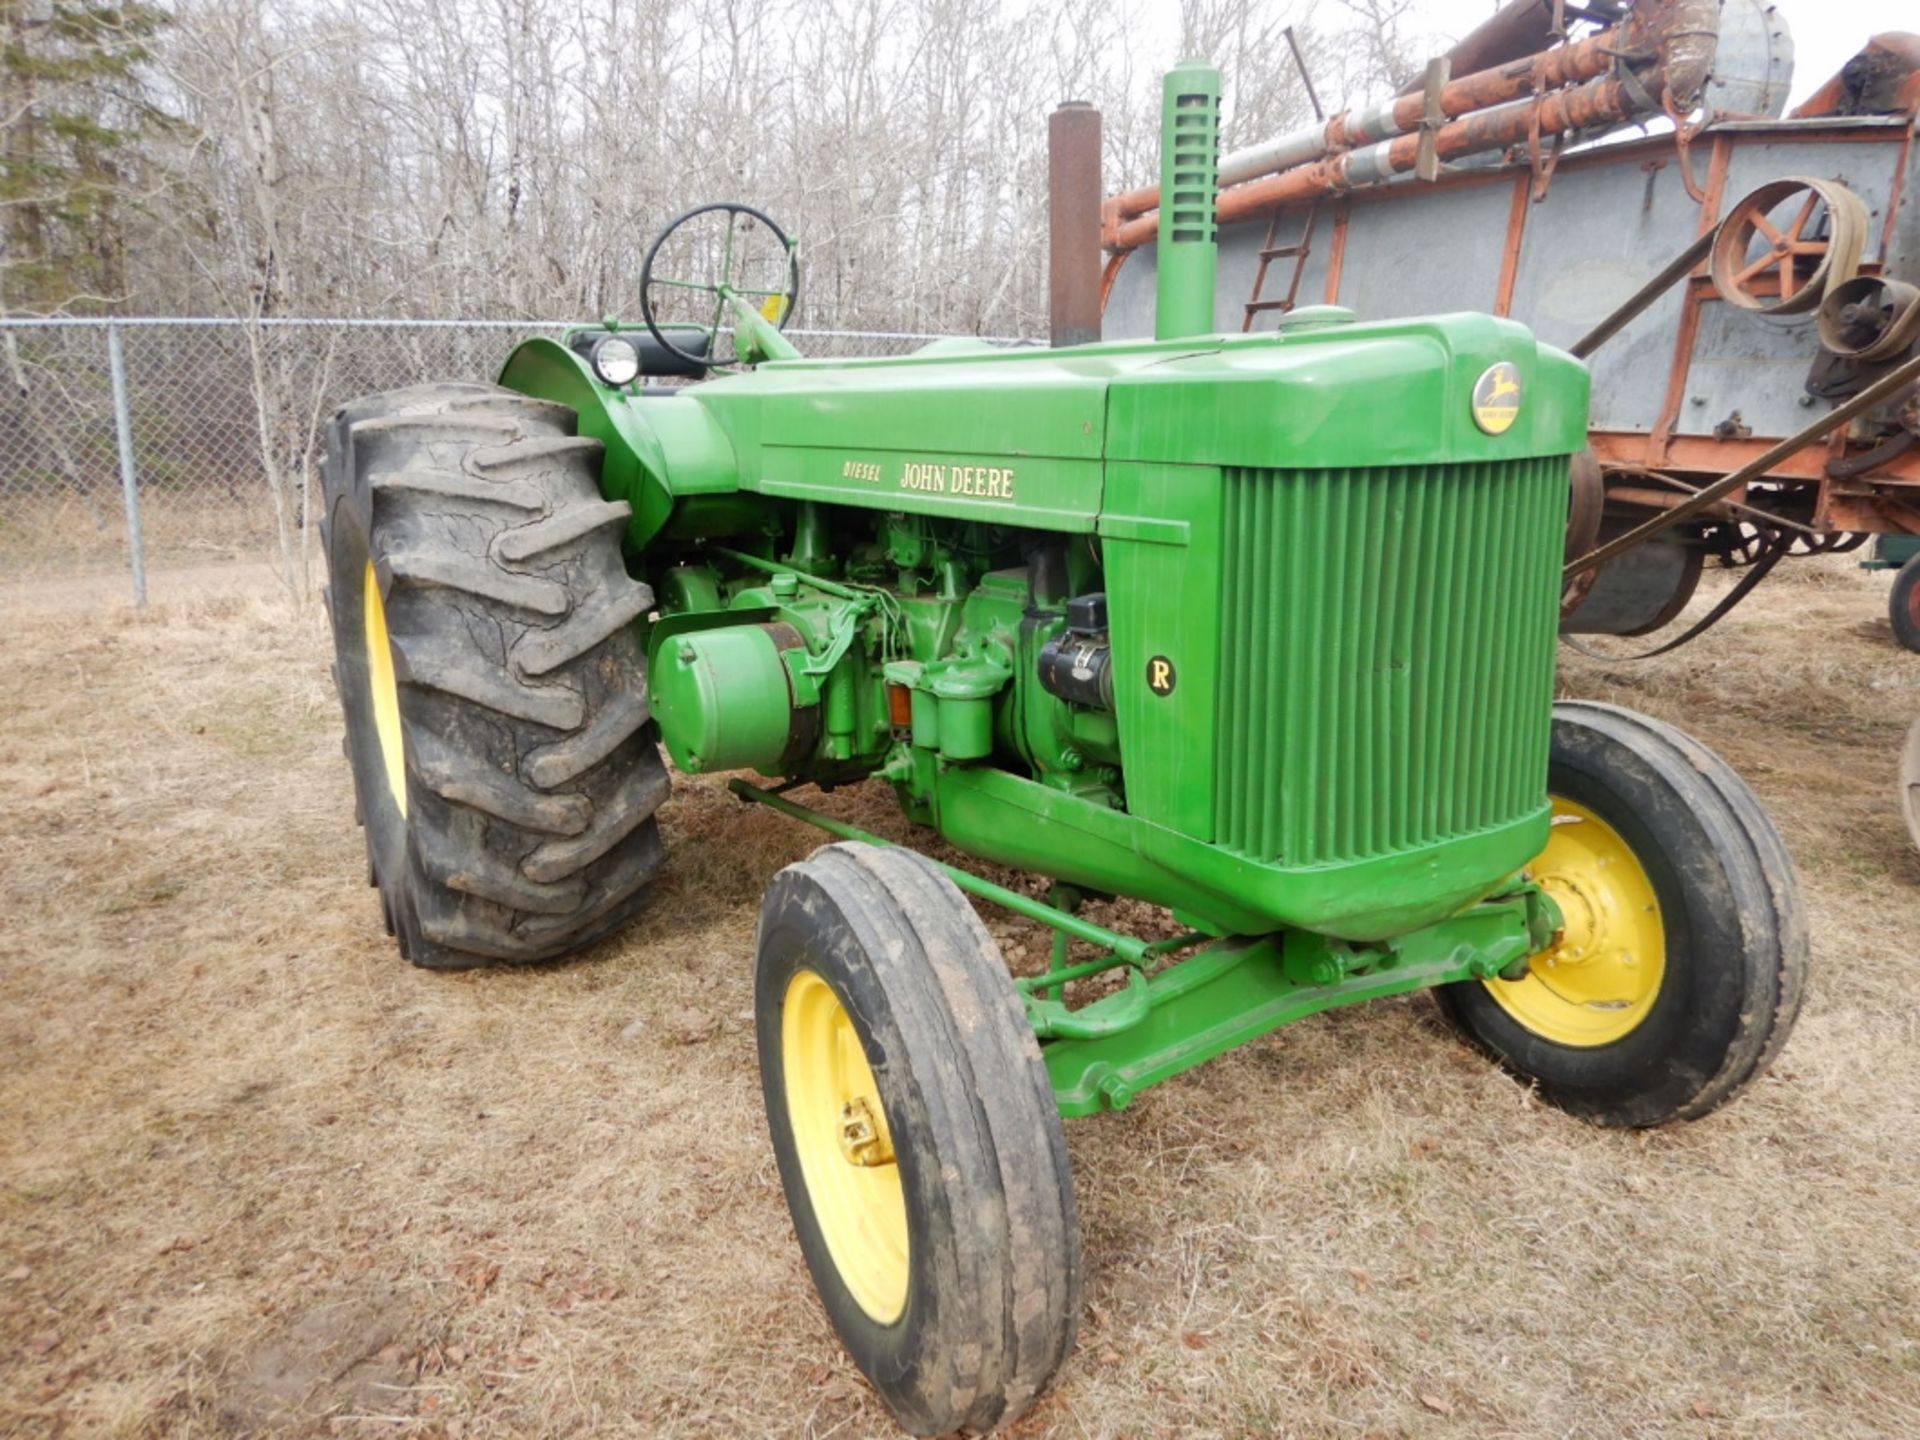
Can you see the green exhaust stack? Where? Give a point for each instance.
(1189, 165)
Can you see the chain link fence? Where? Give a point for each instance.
(154, 443)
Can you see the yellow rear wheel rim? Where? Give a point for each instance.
(1599, 979)
(385, 693)
(845, 1149)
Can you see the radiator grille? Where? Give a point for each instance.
(1387, 655)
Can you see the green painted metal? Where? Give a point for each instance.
(1890, 552)
(701, 481)
(1189, 168)
(1239, 989)
(1059, 973)
(1329, 602)
(1004, 817)
(1233, 990)
(1340, 735)
(1125, 947)
(756, 338)
(1357, 615)
(723, 698)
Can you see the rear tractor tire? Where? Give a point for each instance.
(1679, 972)
(504, 760)
(917, 1137)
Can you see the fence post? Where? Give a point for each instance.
(129, 482)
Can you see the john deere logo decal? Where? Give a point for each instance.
(1496, 398)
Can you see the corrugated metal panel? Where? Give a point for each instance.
(1387, 655)
(1614, 215)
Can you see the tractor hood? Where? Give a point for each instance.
(1023, 436)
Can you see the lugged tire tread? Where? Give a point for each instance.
(501, 767)
(487, 878)
(618, 721)
(458, 572)
(441, 769)
(522, 543)
(458, 485)
(465, 935)
(538, 454)
(550, 705)
(637, 857)
(541, 652)
(526, 409)
(421, 424)
(639, 795)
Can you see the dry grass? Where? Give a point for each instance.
(50, 537)
(258, 1177)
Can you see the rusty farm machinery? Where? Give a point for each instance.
(1743, 283)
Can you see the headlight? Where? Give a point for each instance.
(616, 361)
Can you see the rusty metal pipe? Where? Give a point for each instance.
(1720, 509)
(1552, 69)
(1073, 224)
(1651, 499)
(1687, 34)
(1681, 35)
(1599, 102)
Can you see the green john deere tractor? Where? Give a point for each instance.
(1257, 628)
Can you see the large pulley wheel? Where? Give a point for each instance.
(1678, 973)
(1786, 244)
(1869, 319)
(503, 755)
(917, 1136)
(704, 260)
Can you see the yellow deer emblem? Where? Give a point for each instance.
(1496, 398)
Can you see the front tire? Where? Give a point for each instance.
(917, 1137)
(503, 754)
(1679, 974)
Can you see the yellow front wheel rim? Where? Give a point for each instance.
(385, 692)
(1599, 979)
(844, 1147)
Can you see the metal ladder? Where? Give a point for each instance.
(1269, 252)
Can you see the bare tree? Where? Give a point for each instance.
(511, 158)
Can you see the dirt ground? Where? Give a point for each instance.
(258, 1177)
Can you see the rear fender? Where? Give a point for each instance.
(660, 448)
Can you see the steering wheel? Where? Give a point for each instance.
(726, 239)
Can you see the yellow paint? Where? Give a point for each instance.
(385, 694)
(846, 1153)
(1496, 398)
(1599, 980)
(773, 308)
(974, 482)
